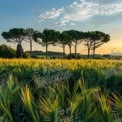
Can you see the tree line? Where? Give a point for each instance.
(71, 38)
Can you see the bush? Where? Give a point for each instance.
(7, 52)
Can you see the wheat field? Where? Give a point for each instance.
(34, 90)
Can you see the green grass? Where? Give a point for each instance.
(87, 95)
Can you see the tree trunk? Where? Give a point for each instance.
(75, 51)
(46, 50)
(88, 52)
(70, 51)
(30, 48)
(64, 51)
(94, 50)
(21, 50)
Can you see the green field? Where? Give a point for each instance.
(60, 90)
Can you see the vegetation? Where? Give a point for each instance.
(88, 95)
(46, 38)
(58, 90)
(92, 40)
(15, 35)
(7, 52)
(95, 39)
(30, 32)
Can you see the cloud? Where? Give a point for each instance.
(82, 10)
(76, 11)
(104, 2)
(72, 24)
(110, 9)
(52, 14)
(62, 22)
(79, 11)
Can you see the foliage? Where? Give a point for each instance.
(7, 52)
(92, 40)
(15, 35)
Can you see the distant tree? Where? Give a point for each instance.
(94, 40)
(88, 42)
(77, 37)
(62, 41)
(7, 52)
(46, 38)
(99, 38)
(30, 37)
(15, 35)
(69, 41)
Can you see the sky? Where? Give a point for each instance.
(82, 15)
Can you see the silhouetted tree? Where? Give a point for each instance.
(15, 35)
(46, 38)
(99, 38)
(77, 37)
(62, 41)
(95, 39)
(69, 41)
(30, 36)
(88, 42)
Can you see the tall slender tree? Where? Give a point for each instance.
(77, 38)
(62, 41)
(46, 38)
(99, 38)
(69, 41)
(94, 40)
(30, 37)
(88, 42)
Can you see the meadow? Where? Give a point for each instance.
(90, 92)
